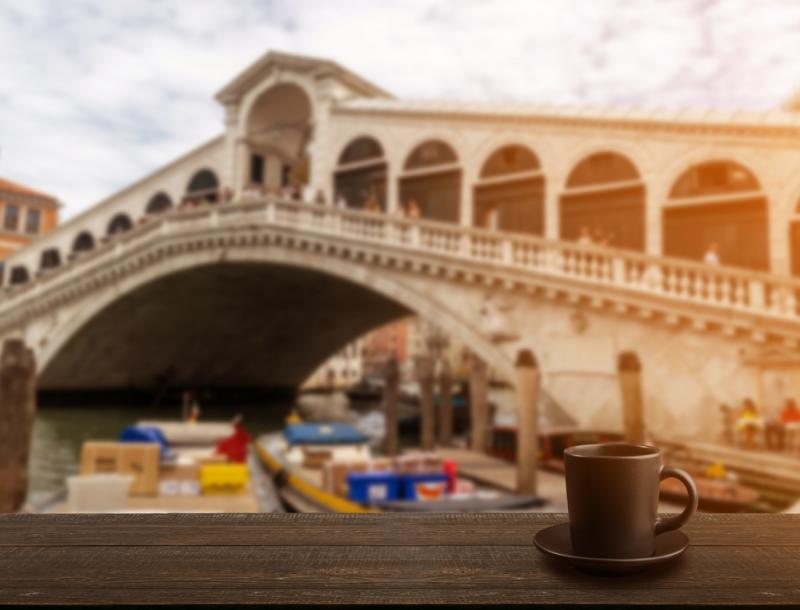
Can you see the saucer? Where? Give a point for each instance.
(555, 542)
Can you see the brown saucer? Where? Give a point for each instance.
(555, 542)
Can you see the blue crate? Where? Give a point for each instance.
(416, 485)
(373, 487)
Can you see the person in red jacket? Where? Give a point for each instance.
(235, 446)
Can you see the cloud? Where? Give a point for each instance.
(95, 94)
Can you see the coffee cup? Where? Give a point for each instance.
(612, 497)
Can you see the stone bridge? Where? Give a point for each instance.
(257, 293)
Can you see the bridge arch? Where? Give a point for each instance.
(604, 198)
(509, 193)
(276, 129)
(119, 223)
(717, 201)
(431, 179)
(395, 296)
(159, 203)
(203, 184)
(83, 242)
(361, 172)
(18, 275)
(49, 259)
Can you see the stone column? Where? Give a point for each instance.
(425, 378)
(527, 373)
(478, 404)
(630, 383)
(390, 398)
(445, 404)
(17, 409)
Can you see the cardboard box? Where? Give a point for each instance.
(334, 476)
(141, 460)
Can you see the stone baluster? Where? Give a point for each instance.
(756, 295)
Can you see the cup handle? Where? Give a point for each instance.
(673, 523)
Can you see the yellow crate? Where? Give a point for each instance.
(223, 478)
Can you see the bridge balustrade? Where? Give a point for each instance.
(669, 278)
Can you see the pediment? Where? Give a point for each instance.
(317, 67)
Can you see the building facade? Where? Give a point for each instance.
(25, 214)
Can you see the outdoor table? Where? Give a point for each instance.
(484, 558)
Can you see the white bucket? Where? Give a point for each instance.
(98, 493)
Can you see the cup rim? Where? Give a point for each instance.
(573, 451)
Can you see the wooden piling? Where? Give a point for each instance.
(425, 378)
(17, 409)
(630, 383)
(479, 404)
(445, 403)
(390, 401)
(527, 396)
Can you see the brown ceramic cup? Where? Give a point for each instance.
(612, 496)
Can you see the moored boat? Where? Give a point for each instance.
(328, 467)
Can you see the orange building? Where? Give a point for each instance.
(24, 215)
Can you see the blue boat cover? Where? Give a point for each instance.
(145, 434)
(323, 434)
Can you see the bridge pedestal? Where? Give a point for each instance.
(527, 422)
(630, 382)
(478, 404)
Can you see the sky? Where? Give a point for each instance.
(94, 94)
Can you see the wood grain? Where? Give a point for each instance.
(409, 559)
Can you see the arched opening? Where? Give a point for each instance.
(717, 202)
(510, 193)
(120, 223)
(84, 242)
(305, 315)
(204, 185)
(432, 179)
(361, 174)
(278, 132)
(160, 202)
(50, 259)
(19, 275)
(604, 198)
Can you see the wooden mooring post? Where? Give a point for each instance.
(445, 403)
(478, 404)
(630, 383)
(425, 378)
(527, 373)
(390, 399)
(17, 409)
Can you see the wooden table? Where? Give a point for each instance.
(381, 559)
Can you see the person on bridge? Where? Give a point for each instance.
(712, 255)
(585, 237)
(749, 422)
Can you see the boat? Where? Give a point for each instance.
(329, 467)
(366, 391)
(718, 489)
(166, 466)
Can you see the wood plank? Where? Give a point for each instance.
(335, 529)
(441, 571)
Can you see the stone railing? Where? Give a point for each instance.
(725, 288)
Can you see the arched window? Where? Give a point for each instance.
(432, 181)
(160, 202)
(83, 242)
(604, 202)
(50, 259)
(361, 174)
(19, 275)
(717, 202)
(204, 185)
(510, 193)
(121, 223)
